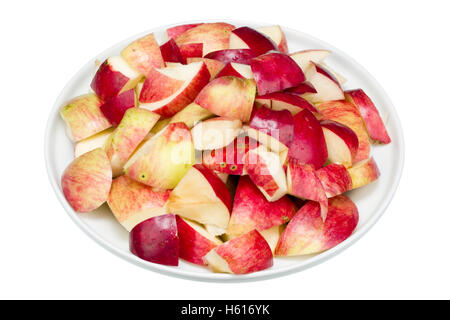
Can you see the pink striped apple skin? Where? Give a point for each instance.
(115, 108)
(369, 112)
(156, 240)
(306, 233)
(363, 173)
(214, 36)
(251, 210)
(304, 183)
(132, 202)
(243, 56)
(335, 179)
(87, 180)
(346, 114)
(174, 32)
(171, 52)
(286, 101)
(230, 97)
(83, 117)
(247, 253)
(308, 145)
(256, 41)
(143, 54)
(157, 86)
(193, 245)
(275, 71)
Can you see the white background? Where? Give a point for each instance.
(404, 44)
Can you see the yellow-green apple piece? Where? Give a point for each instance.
(132, 202)
(372, 119)
(230, 97)
(214, 36)
(191, 114)
(326, 85)
(87, 180)
(251, 210)
(215, 133)
(363, 173)
(305, 57)
(93, 142)
(83, 117)
(247, 253)
(306, 233)
(134, 127)
(346, 114)
(164, 159)
(113, 77)
(143, 54)
(201, 196)
(167, 91)
(214, 66)
(266, 171)
(195, 241)
(335, 179)
(160, 125)
(276, 34)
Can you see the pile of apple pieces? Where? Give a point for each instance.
(221, 148)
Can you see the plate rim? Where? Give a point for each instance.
(216, 277)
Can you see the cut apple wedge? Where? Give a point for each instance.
(276, 35)
(83, 117)
(244, 254)
(115, 108)
(286, 101)
(251, 210)
(305, 57)
(272, 236)
(191, 50)
(342, 142)
(191, 114)
(306, 233)
(326, 85)
(236, 70)
(143, 54)
(215, 133)
(346, 114)
(156, 240)
(303, 182)
(243, 56)
(275, 71)
(213, 36)
(302, 88)
(248, 38)
(265, 170)
(132, 202)
(113, 77)
(195, 241)
(167, 91)
(160, 125)
(96, 141)
(132, 130)
(201, 196)
(171, 52)
(335, 179)
(87, 180)
(229, 97)
(174, 32)
(274, 129)
(372, 119)
(308, 145)
(363, 173)
(214, 66)
(164, 159)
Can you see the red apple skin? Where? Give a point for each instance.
(306, 233)
(256, 41)
(345, 133)
(247, 253)
(308, 146)
(156, 240)
(277, 124)
(214, 66)
(193, 245)
(335, 179)
(374, 124)
(107, 83)
(171, 52)
(230, 159)
(302, 88)
(275, 71)
(251, 210)
(191, 50)
(174, 32)
(229, 71)
(292, 99)
(115, 108)
(346, 114)
(217, 185)
(243, 56)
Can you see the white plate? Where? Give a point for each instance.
(371, 200)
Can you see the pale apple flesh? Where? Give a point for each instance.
(215, 133)
(236, 70)
(96, 141)
(214, 66)
(305, 57)
(191, 114)
(326, 86)
(276, 35)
